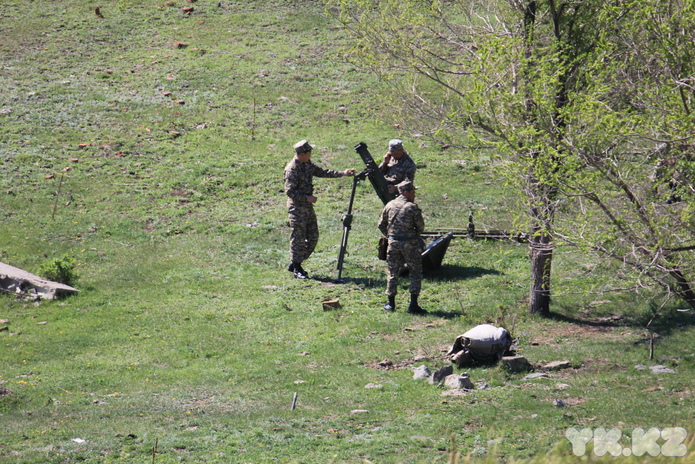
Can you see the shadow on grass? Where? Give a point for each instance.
(456, 272)
(664, 322)
(444, 273)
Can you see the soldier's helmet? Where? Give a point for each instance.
(405, 186)
(302, 147)
(395, 144)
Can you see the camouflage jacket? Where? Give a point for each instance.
(299, 179)
(402, 219)
(396, 172)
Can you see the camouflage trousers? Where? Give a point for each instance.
(400, 253)
(305, 232)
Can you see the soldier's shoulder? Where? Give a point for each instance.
(412, 207)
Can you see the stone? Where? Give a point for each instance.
(19, 281)
(516, 364)
(557, 365)
(421, 373)
(457, 382)
(439, 375)
(659, 369)
(536, 375)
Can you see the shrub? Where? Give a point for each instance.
(59, 270)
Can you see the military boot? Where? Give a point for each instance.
(414, 307)
(299, 272)
(391, 304)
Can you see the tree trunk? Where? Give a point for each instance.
(684, 290)
(541, 257)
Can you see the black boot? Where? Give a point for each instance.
(415, 308)
(391, 304)
(299, 272)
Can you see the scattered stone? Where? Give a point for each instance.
(562, 386)
(298, 382)
(559, 404)
(421, 373)
(439, 375)
(385, 364)
(659, 369)
(482, 385)
(557, 365)
(516, 364)
(641, 367)
(373, 385)
(536, 375)
(457, 382)
(359, 411)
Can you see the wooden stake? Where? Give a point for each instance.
(294, 402)
(651, 345)
(55, 205)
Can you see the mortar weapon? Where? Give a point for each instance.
(377, 179)
(347, 222)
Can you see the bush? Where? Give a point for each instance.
(59, 270)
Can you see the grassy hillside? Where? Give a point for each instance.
(149, 146)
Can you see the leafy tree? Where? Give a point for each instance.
(574, 106)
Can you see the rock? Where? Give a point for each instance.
(482, 385)
(439, 375)
(373, 385)
(516, 364)
(557, 365)
(457, 382)
(536, 375)
(659, 369)
(421, 373)
(641, 367)
(559, 404)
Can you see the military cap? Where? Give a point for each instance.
(395, 144)
(405, 186)
(302, 147)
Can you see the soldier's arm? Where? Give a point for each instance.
(322, 172)
(383, 222)
(419, 221)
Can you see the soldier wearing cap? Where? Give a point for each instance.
(397, 165)
(299, 187)
(401, 221)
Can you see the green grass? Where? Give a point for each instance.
(189, 339)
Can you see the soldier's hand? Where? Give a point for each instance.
(311, 199)
(349, 172)
(387, 157)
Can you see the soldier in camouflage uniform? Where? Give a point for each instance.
(299, 188)
(397, 165)
(401, 221)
